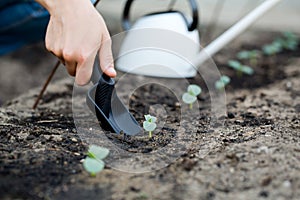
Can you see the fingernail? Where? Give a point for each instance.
(111, 72)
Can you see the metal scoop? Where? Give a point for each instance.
(103, 101)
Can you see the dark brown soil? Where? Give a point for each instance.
(253, 153)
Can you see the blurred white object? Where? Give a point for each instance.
(160, 44)
(163, 44)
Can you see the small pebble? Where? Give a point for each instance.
(177, 104)
(264, 194)
(30, 137)
(74, 140)
(289, 85)
(230, 115)
(266, 181)
(72, 180)
(263, 149)
(287, 184)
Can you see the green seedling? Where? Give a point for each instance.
(220, 84)
(191, 95)
(240, 68)
(289, 41)
(93, 163)
(273, 48)
(149, 124)
(252, 56)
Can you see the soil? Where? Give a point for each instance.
(252, 153)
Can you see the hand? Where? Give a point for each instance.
(76, 33)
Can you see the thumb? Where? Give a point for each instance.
(106, 58)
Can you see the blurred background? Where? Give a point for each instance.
(29, 67)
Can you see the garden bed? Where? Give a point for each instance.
(254, 153)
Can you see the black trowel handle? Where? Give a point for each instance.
(103, 93)
(104, 90)
(111, 113)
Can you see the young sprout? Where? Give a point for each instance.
(149, 124)
(249, 55)
(290, 41)
(240, 68)
(191, 95)
(93, 163)
(273, 48)
(220, 84)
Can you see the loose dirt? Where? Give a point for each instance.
(253, 153)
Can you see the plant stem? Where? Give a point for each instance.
(91, 155)
(253, 62)
(93, 174)
(239, 74)
(191, 106)
(150, 134)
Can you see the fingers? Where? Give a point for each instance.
(71, 67)
(77, 48)
(84, 70)
(106, 57)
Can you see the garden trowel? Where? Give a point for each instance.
(104, 102)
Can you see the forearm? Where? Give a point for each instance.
(60, 6)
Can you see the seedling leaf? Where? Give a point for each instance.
(235, 64)
(188, 98)
(97, 152)
(272, 49)
(93, 166)
(243, 55)
(194, 90)
(219, 85)
(149, 126)
(289, 35)
(150, 118)
(247, 70)
(147, 117)
(225, 79)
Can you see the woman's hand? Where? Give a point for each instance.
(76, 33)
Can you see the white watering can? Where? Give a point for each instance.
(166, 45)
(160, 44)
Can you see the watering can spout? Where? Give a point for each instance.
(233, 32)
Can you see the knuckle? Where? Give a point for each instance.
(67, 55)
(82, 57)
